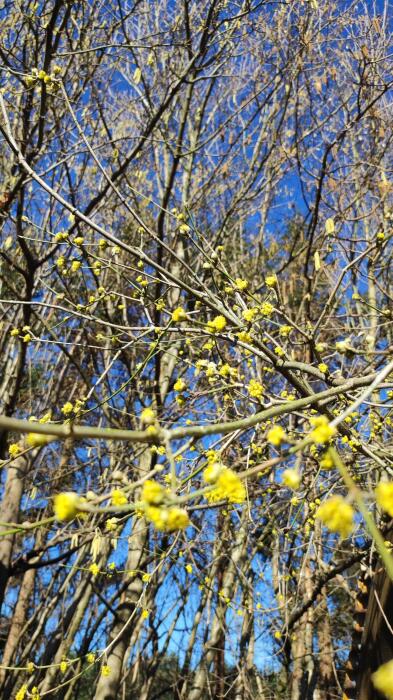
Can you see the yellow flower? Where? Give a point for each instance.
(279, 351)
(291, 478)
(148, 416)
(14, 332)
(276, 435)
(241, 284)
(37, 440)
(337, 515)
(217, 324)
(180, 385)
(249, 314)
(323, 431)
(188, 568)
(271, 280)
(145, 614)
(94, 569)
(75, 265)
(153, 493)
(383, 679)
(211, 473)
(105, 670)
(267, 309)
(90, 658)
(14, 449)
(326, 461)
(244, 337)
(179, 314)
(21, 694)
(284, 331)
(168, 519)
(255, 389)
(63, 666)
(66, 505)
(227, 486)
(323, 367)
(384, 496)
(67, 408)
(118, 498)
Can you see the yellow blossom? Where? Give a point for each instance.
(241, 284)
(323, 431)
(291, 478)
(37, 439)
(244, 337)
(67, 408)
(276, 435)
(168, 519)
(63, 666)
(284, 331)
(90, 658)
(249, 314)
(105, 670)
(179, 385)
(118, 498)
(255, 389)
(179, 314)
(217, 324)
(14, 449)
(383, 679)
(267, 309)
(152, 493)
(14, 332)
(271, 280)
(337, 515)
(21, 694)
(227, 486)
(212, 471)
(145, 614)
(66, 505)
(326, 461)
(323, 367)
(384, 496)
(148, 416)
(94, 569)
(188, 568)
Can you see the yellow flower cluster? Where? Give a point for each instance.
(337, 515)
(179, 314)
(164, 517)
(384, 496)
(118, 498)
(255, 389)
(66, 505)
(250, 314)
(227, 484)
(167, 519)
(323, 431)
(148, 416)
(216, 325)
(276, 435)
(383, 679)
(291, 478)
